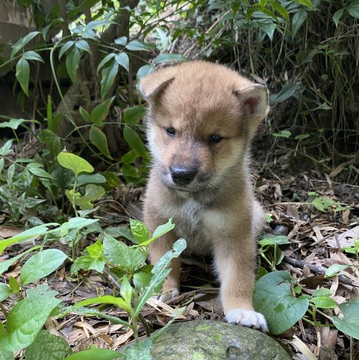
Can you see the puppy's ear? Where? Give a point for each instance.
(153, 85)
(254, 101)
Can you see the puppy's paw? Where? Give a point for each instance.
(247, 318)
(169, 295)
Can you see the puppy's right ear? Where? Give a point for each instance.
(153, 85)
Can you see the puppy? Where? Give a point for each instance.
(201, 120)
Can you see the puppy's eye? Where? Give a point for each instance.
(215, 138)
(170, 131)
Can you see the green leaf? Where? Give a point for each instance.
(95, 354)
(353, 9)
(83, 45)
(302, 136)
(47, 136)
(14, 285)
(133, 114)
(41, 265)
(6, 148)
(65, 47)
(144, 70)
(287, 91)
(298, 20)
(139, 231)
(283, 133)
(324, 203)
(105, 60)
(119, 231)
(85, 115)
(335, 270)
(32, 55)
(91, 179)
(5, 265)
(160, 272)
(73, 62)
(47, 347)
(100, 112)
(306, 3)
(98, 138)
(35, 169)
(167, 58)
(274, 299)
(163, 229)
(5, 292)
(26, 319)
(74, 163)
(337, 15)
(121, 41)
(23, 74)
(135, 142)
(23, 42)
(349, 324)
(324, 302)
(136, 45)
(108, 76)
(142, 278)
(280, 9)
(126, 290)
(107, 299)
(119, 254)
(274, 240)
(76, 223)
(123, 60)
(92, 193)
(142, 350)
(88, 263)
(12, 124)
(6, 355)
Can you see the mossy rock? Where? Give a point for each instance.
(215, 340)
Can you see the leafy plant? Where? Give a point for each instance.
(270, 251)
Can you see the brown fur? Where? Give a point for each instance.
(217, 212)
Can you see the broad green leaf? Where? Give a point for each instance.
(133, 114)
(99, 139)
(26, 319)
(91, 179)
(129, 158)
(65, 47)
(274, 299)
(280, 9)
(100, 112)
(48, 347)
(322, 292)
(302, 136)
(353, 9)
(75, 163)
(337, 15)
(6, 355)
(123, 60)
(12, 124)
(95, 354)
(107, 299)
(324, 302)
(22, 42)
(306, 3)
(126, 290)
(298, 20)
(160, 272)
(30, 234)
(14, 285)
(121, 41)
(32, 55)
(4, 265)
(35, 169)
(274, 240)
(268, 28)
(23, 74)
(335, 270)
(283, 133)
(105, 60)
(93, 192)
(167, 58)
(287, 91)
(73, 62)
(136, 45)
(83, 45)
(5, 292)
(108, 76)
(142, 278)
(161, 230)
(41, 265)
(135, 142)
(139, 231)
(76, 223)
(119, 254)
(47, 136)
(119, 231)
(324, 203)
(88, 263)
(85, 115)
(349, 323)
(6, 148)
(144, 70)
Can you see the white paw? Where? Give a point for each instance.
(169, 295)
(247, 318)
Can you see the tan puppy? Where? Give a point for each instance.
(201, 119)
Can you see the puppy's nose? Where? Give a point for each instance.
(183, 175)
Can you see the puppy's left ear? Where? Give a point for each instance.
(254, 102)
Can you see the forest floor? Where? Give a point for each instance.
(316, 241)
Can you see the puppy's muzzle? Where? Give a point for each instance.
(182, 175)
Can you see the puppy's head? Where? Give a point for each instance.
(202, 117)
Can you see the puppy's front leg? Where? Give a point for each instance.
(235, 262)
(157, 249)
